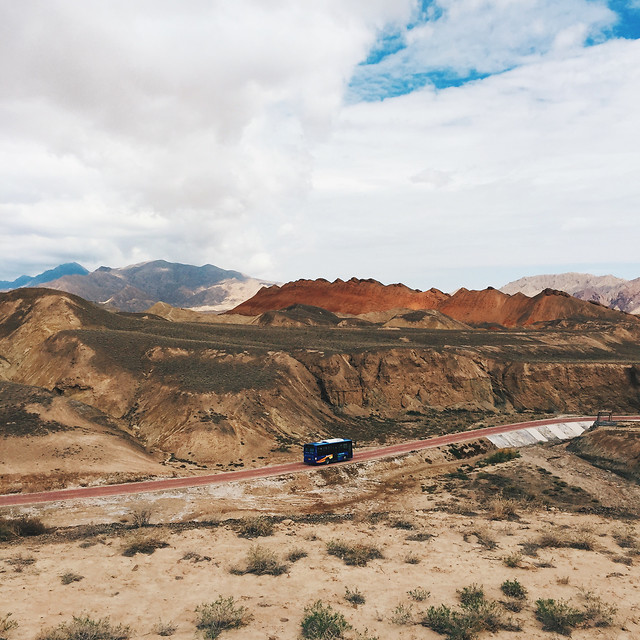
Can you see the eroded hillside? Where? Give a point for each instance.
(229, 395)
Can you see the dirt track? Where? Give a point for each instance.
(263, 472)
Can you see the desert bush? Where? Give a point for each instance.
(564, 538)
(558, 616)
(143, 544)
(322, 622)
(215, 617)
(255, 527)
(140, 517)
(626, 538)
(401, 615)
(19, 562)
(354, 597)
(194, 556)
(85, 628)
(400, 523)
(6, 626)
(513, 589)
(626, 560)
(448, 622)
(513, 560)
(418, 594)
(412, 558)
(296, 554)
(420, 536)
(471, 596)
(355, 554)
(596, 612)
(483, 534)
(164, 628)
(504, 455)
(261, 561)
(500, 508)
(22, 527)
(70, 576)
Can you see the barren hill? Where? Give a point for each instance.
(353, 296)
(610, 291)
(233, 395)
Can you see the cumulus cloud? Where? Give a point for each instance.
(239, 133)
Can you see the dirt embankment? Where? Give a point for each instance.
(616, 449)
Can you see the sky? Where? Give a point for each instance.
(440, 143)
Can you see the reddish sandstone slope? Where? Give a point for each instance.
(353, 296)
(491, 306)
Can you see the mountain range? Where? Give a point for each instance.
(610, 291)
(137, 287)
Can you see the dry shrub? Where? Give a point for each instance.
(84, 628)
(356, 554)
(296, 554)
(627, 539)
(140, 543)
(215, 617)
(164, 628)
(255, 527)
(6, 626)
(402, 615)
(483, 534)
(22, 527)
(70, 576)
(140, 517)
(261, 561)
(354, 597)
(418, 594)
(500, 508)
(513, 560)
(20, 562)
(412, 558)
(556, 537)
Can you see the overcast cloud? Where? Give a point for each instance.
(448, 143)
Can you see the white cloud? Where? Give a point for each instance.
(217, 132)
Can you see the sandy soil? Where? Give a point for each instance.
(311, 509)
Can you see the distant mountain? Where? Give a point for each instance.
(613, 292)
(137, 287)
(489, 307)
(67, 269)
(353, 296)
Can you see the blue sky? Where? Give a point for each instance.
(445, 143)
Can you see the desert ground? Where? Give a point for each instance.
(425, 527)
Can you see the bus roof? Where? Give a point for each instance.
(332, 441)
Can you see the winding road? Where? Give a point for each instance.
(275, 470)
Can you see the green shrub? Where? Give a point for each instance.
(513, 560)
(84, 628)
(558, 616)
(513, 589)
(215, 617)
(322, 622)
(504, 455)
(471, 596)
(255, 527)
(354, 597)
(355, 554)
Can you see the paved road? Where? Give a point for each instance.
(275, 470)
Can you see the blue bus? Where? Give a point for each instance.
(327, 451)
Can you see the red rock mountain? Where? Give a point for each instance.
(487, 307)
(353, 296)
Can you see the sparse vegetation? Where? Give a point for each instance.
(255, 527)
(499, 457)
(412, 558)
(322, 622)
(356, 554)
(483, 535)
(513, 560)
(70, 576)
(261, 561)
(223, 613)
(19, 562)
(558, 616)
(22, 527)
(85, 628)
(146, 544)
(6, 625)
(296, 554)
(140, 517)
(164, 628)
(513, 589)
(596, 612)
(418, 594)
(354, 597)
(401, 615)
